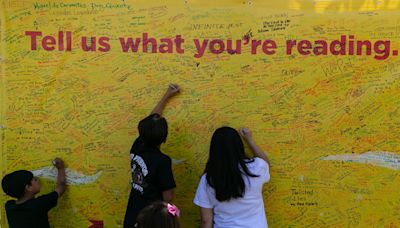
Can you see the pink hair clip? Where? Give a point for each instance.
(173, 210)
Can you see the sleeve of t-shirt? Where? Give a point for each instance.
(137, 145)
(264, 169)
(48, 201)
(202, 197)
(165, 178)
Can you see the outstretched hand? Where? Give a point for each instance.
(245, 133)
(172, 90)
(58, 163)
(61, 183)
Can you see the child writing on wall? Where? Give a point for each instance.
(152, 177)
(230, 191)
(28, 211)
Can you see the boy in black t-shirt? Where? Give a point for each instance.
(28, 211)
(152, 177)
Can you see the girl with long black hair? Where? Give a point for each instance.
(230, 190)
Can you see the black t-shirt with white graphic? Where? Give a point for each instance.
(151, 175)
(32, 213)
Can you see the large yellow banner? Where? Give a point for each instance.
(316, 81)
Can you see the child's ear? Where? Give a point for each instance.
(28, 188)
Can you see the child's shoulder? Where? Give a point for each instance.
(10, 203)
(256, 161)
(164, 156)
(256, 164)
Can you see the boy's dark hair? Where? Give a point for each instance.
(14, 183)
(226, 164)
(156, 215)
(153, 129)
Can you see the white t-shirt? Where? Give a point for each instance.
(247, 211)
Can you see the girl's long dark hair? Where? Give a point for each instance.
(222, 169)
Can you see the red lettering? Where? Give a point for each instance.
(322, 50)
(303, 47)
(146, 41)
(129, 44)
(221, 46)
(254, 45)
(33, 35)
(166, 47)
(103, 42)
(48, 43)
(178, 42)
(289, 46)
(238, 49)
(200, 49)
(269, 44)
(92, 44)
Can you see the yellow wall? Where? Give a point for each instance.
(84, 106)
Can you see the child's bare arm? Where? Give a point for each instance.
(207, 216)
(168, 195)
(172, 90)
(246, 134)
(61, 183)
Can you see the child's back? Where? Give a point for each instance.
(31, 213)
(152, 177)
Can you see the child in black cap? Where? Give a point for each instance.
(28, 211)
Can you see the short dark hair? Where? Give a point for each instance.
(153, 129)
(14, 183)
(156, 215)
(222, 168)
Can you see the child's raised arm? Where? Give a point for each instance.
(246, 134)
(172, 90)
(61, 183)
